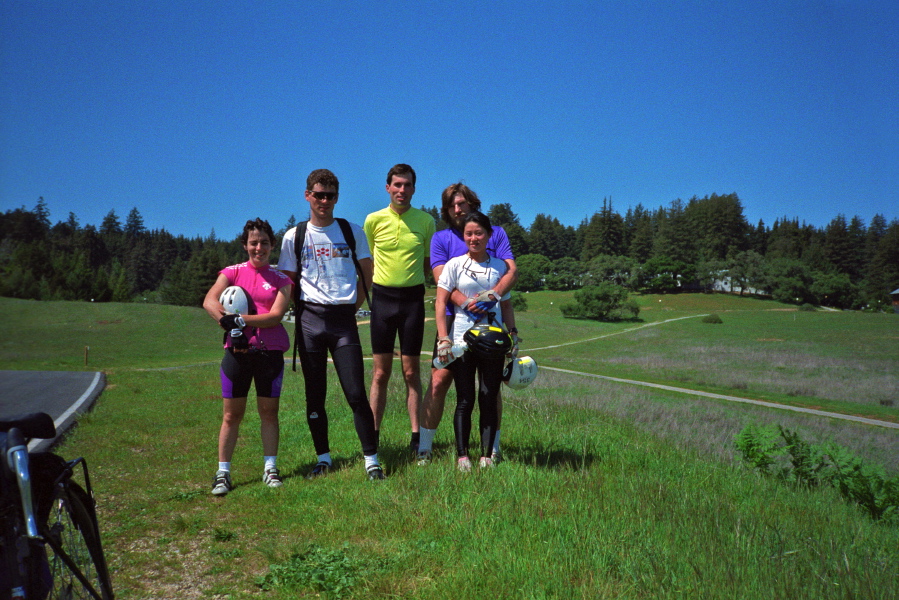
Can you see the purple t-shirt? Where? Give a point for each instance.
(262, 286)
(448, 243)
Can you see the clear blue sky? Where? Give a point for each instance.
(203, 114)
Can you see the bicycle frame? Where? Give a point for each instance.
(25, 530)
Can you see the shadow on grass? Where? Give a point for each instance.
(542, 455)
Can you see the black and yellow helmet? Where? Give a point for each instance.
(488, 341)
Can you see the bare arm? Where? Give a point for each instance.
(509, 278)
(440, 311)
(211, 303)
(214, 308)
(502, 287)
(274, 316)
(367, 270)
(508, 314)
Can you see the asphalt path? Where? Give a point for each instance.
(61, 394)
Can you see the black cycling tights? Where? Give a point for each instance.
(489, 375)
(350, 373)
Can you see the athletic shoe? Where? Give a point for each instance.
(485, 462)
(465, 464)
(221, 485)
(375, 472)
(272, 478)
(319, 470)
(423, 458)
(496, 457)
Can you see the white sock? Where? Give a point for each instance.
(326, 457)
(371, 461)
(426, 441)
(496, 443)
(270, 462)
(225, 466)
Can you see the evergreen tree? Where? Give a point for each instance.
(111, 224)
(134, 224)
(718, 226)
(603, 234)
(547, 236)
(838, 250)
(674, 238)
(640, 238)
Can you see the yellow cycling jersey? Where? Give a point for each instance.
(400, 245)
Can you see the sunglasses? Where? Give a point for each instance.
(324, 195)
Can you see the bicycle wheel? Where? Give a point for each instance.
(73, 547)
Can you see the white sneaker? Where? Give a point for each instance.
(221, 485)
(272, 478)
(465, 464)
(423, 458)
(486, 462)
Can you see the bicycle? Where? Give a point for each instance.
(49, 535)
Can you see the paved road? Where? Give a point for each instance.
(61, 394)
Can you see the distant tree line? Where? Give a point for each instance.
(698, 245)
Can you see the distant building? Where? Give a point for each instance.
(895, 295)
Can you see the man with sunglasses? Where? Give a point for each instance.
(399, 237)
(329, 294)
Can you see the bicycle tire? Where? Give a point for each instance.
(71, 532)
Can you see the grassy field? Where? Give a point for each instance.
(608, 490)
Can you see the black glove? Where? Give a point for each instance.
(239, 342)
(229, 322)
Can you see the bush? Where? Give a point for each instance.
(779, 452)
(808, 307)
(519, 302)
(605, 301)
(712, 318)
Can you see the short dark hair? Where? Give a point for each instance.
(259, 225)
(324, 178)
(481, 219)
(450, 193)
(400, 169)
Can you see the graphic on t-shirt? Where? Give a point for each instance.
(340, 250)
(473, 269)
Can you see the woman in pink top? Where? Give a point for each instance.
(254, 350)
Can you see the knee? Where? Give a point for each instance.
(412, 374)
(268, 415)
(232, 418)
(380, 376)
(441, 382)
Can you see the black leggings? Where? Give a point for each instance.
(322, 330)
(489, 373)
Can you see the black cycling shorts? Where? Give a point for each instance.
(241, 369)
(397, 311)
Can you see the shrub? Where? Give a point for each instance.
(603, 301)
(712, 318)
(813, 464)
(808, 307)
(519, 302)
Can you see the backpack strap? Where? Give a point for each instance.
(351, 242)
(298, 241)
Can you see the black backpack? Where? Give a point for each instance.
(298, 249)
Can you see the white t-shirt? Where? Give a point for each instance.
(328, 273)
(470, 277)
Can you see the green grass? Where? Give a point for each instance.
(608, 490)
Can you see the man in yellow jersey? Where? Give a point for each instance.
(400, 240)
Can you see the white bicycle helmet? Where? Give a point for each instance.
(235, 300)
(520, 372)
